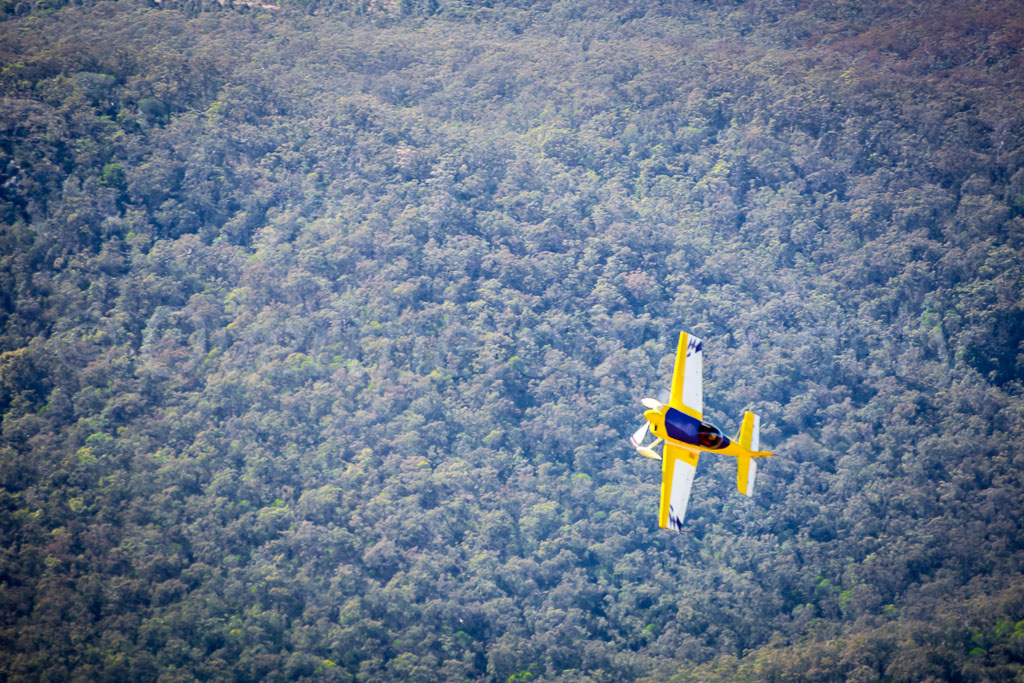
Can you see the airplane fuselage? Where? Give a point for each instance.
(692, 434)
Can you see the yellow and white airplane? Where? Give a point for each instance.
(681, 428)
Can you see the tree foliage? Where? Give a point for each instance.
(323, 324)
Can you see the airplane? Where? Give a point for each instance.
(680, 427)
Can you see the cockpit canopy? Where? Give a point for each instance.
(710, 436)
(688, 429)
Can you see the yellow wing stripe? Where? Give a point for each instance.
(679, 375)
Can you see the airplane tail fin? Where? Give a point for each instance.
(749, 438)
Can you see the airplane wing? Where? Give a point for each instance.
(678, 466)
(687, 393)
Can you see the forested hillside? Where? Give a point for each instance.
(324, 325)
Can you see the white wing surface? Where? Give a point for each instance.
(687, 393)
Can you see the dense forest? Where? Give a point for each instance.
(324, 325)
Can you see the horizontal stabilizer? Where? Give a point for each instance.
(750, 432)
(746, 473)
(746, 467)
